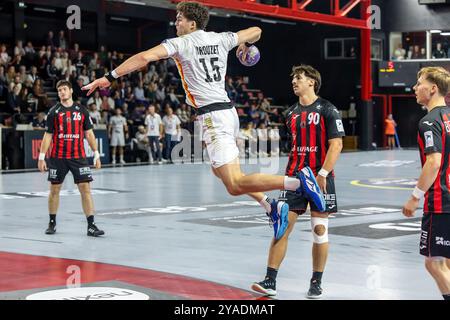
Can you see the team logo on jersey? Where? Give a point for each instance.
(319, 107)
(429, 141)
(77, 108)
(339, 125)
(428, 123)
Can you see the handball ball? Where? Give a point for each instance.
(251, 58)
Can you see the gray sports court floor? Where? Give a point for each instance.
(178, 221)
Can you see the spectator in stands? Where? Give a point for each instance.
(33, 75)
(39, 121)
(12, 97)
(78, 62)
(4, 57)
(230, 89)
(150, 73)
(94, 63)
(416, 53)
(129, 97)
(253, 114)
(11, 74)
(173, 99)
(107, 104)
(389, 131)
(94, 113)
(61, 40)
(160, 94)
(150, 92)
(18, 49)
(84, 77)
(3, 80)
(52, 71)
(78, 94)
(439, 53)
(171, 125)
(22, 74)
(139, 94)
(73, 54)
(102, 55)
(29, 49)
(26, 102)
(114, 58)
(118, 131)
(105, 117)
(58, 62)
(40, 94)
(49, 40)
(184, 114)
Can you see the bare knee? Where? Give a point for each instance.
(434, 267)
(84, 188)
(55, 189)
(234, 189)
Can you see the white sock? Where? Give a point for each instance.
(291, 183)
(265, 203)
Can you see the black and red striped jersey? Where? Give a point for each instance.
(310, 128)
(434, 136)
(68, 126)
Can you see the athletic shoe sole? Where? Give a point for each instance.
(313, 297)
(268, 292)
(283, 209)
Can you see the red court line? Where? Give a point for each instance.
(22, 272)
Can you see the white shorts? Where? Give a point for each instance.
(219, 131)
(117, 140)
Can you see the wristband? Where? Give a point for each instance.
(109, 76)
(96, 156)
(114, 74)
(324, 173)
(417, 193)
(41, 156)
(248, 44)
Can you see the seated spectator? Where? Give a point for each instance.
(139, 94)
(94, 113)
(416, 53)
(102, 55)
(150, 92)
(29, 49)
(84, 77)
(439, 53)
(49, 40)
(39, 122)
(28, 104)
(33, 75)
(105, 117)
(160, 94)
(3, 80)
(253, 114)
(61, 41)
(73, 54)
(173, 99)
(4, 57)
(40, 94)
(107, 104)
(94, 63)
(79, 94)
(22, 74)
(184, 114)
(11, 74)
(149, 75)
(18, 49)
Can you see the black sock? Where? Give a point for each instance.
(90, 219)
(446, 296)
(271, 273)
(317, 276)
(52, 218)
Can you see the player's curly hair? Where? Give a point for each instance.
(309, 72)
(194, 11)
(437, 75)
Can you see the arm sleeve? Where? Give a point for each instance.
(431, 136)
(229, 40)
(333, 123)
(50, 121)
(174, 46)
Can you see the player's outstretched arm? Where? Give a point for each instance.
(133, 63)
(250, 35)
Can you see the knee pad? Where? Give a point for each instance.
(319, 229)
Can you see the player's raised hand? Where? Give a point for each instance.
(242, 49)
(99, 83)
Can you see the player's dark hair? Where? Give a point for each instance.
(437, 75)
(194, 11)
(309, 72)
(62, 83)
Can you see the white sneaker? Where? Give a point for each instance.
(113, 162)
(122, 161)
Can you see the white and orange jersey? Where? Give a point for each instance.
(201, 58)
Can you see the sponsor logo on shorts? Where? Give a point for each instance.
(53, 173)
(89, 293)
(429, 141)
(423, 240)
(85, 170)
(440, 241)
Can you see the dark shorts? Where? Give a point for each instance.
(58, 169)
(298, 204)
(435, 236)
(390, 135)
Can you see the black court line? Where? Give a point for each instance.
(36, 240)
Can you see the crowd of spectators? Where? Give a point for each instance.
(28, 75)
(417, 52)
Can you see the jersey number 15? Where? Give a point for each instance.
(217, 76)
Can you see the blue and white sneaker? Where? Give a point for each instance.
(279, 217)
(310, 188)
